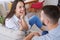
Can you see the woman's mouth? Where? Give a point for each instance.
(21, 12)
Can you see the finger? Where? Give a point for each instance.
(19, 21)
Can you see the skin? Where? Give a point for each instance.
(29, 37)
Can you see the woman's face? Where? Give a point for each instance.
(20, 9)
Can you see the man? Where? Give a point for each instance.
(50, 16)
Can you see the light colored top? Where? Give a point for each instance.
(12, 23)
(52, 35)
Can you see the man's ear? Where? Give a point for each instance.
(46, 21)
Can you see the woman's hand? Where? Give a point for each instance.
(21, 28)
(21, 21)
(23, 15)
(23, 25)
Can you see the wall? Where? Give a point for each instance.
(50, 2)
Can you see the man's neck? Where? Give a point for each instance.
(52, 26)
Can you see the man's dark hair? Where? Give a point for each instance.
(52, 12)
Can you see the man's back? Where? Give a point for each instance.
(52, 35)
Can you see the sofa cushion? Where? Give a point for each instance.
(8, 34)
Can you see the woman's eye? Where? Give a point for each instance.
(22, 7)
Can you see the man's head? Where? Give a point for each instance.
(50, 14)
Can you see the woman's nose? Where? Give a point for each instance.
(23, 9)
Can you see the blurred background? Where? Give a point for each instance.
(5, 6)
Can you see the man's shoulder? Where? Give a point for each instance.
(47, 37)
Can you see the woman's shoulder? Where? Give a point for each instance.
(9, 20)
(9, 23)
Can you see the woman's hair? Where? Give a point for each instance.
(12, 11)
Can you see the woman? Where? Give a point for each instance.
(16, 16)
(15, 20)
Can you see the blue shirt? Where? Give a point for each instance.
(52, 35)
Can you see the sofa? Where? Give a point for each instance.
(8, 34)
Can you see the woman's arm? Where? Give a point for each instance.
(31, 35)
(24, 24)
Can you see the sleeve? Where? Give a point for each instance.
(9, 24)
(35, 20)
(45, 37)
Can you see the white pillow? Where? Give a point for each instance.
(8, 34)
